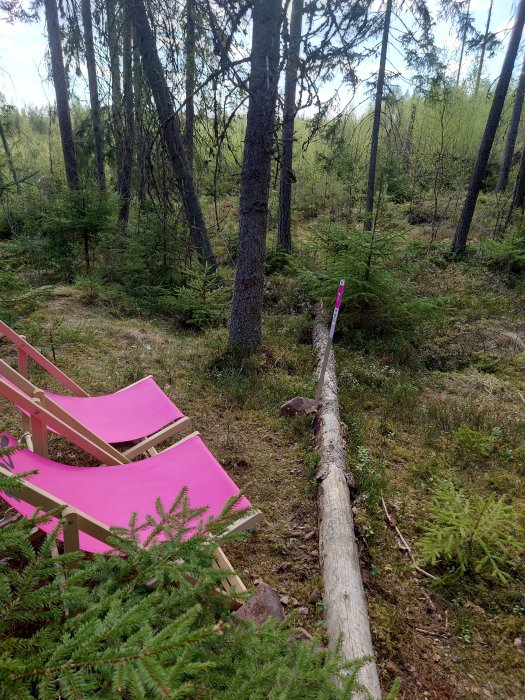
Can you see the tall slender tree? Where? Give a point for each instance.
(62, 96)
(465, 24)
(374, 142)
(460, 239)
(284, 236)
(512, 133)
(93, 92)
(246, 315)
(484, 43)
(191, 70)
(8, 155)
(128, 121)
(171, 132)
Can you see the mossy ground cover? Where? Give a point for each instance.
(402, 412)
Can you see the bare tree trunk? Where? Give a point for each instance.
(189, 43)
(460, 239)
(284, 237)
(483, 49)
(93, 93)
(245, 322)
(170, 128)
(407, 146)
(518, 196)
(62, 97)
(369, 206)
(140, 145)
(113, 39)
(9, 156)
(345, 607)
(126, 166)
(512, 132)
(463, 41)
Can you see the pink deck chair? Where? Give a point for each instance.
(140, 413)
(94, 498)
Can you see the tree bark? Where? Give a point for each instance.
(483, 49)
(9, 156)
(189, 125)
(512, 133)
(61, 93)
(284, 236)
(369, 206)
(518, 196)
(460, 239)
(126, 165)
(245, 322)
(113, 40)
(170, 128)
(93, 93)
(345, 607)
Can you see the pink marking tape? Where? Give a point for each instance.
(337, 307)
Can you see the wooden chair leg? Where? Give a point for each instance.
(39, 435)
(232, 583)
(70, 530)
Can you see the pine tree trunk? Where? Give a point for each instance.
(463, 42)
(9, 156)
(62, 97)
(113, 39)
(369, 206)
(126, 166)
(512, 132)
(483, 49)
(518, 197)
(460, 239)
(284, 237)
(189, 126)
(93, 93)
(170, 128)
(245, 322)
(140, 142)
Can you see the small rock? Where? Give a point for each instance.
(314, 553)
(391, 666)
(309, 536)
(300, 635)
(284, 599)
(298, 405)
(518, 642)
(436, 658)
(473, 606)
(261, 606)
(314, 596)
(303, 611)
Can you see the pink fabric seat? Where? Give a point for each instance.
(132, 413)
(112, 494)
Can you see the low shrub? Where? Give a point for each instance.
(471, 534)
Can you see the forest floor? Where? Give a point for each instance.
(401, 420)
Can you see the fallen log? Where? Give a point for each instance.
(346, 613)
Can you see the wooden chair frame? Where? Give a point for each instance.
(75, 521)
(21, 379)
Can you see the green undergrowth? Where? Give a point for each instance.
(437, 403)
(147, 625)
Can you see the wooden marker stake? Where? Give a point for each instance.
(329, 341)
